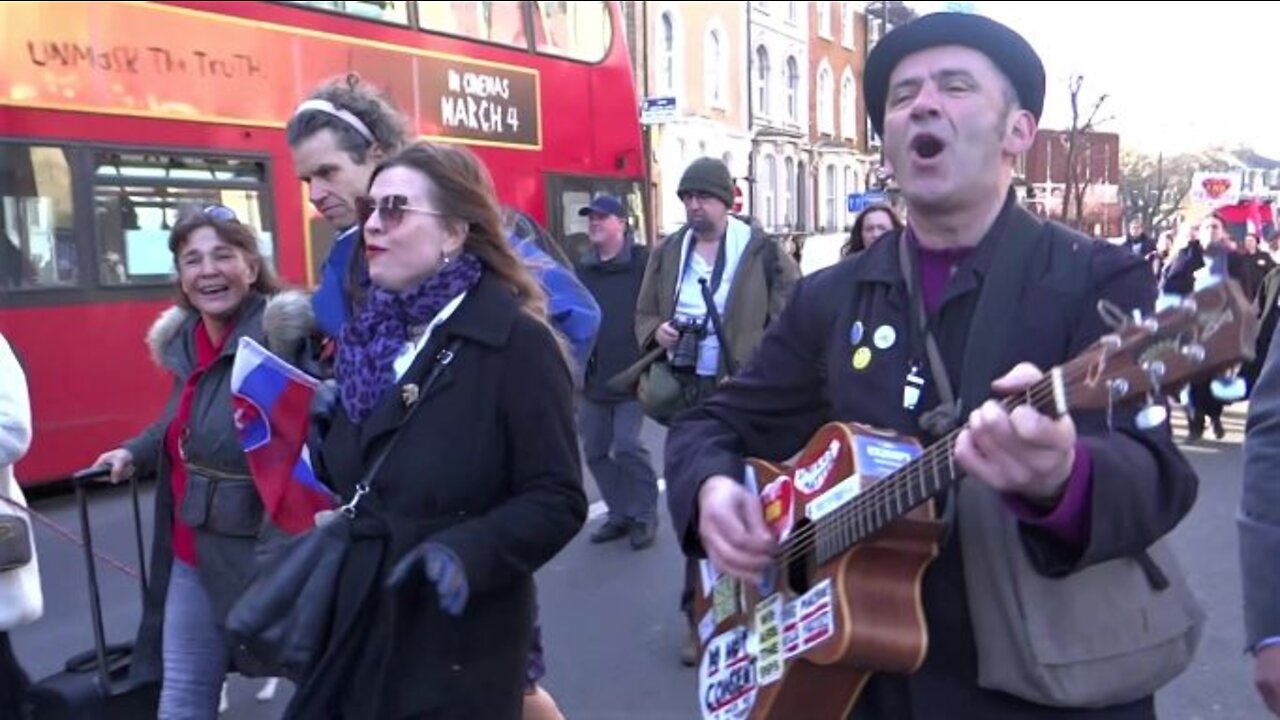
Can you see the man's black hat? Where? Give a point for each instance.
(1010, 52)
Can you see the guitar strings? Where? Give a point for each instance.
(864, 504)
(803, 541)
(939, 451)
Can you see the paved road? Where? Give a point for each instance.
(612, 629)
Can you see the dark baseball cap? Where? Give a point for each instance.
(605, 205)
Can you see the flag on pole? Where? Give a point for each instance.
(272, 400)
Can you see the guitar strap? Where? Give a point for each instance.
(986, 348)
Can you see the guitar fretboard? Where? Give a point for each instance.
(910, 486)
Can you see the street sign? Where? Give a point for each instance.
(657, 110)
(856, 202)
(876, 197)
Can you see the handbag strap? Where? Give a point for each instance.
(443, 358)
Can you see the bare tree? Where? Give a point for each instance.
(1077, 139)
(1153, 189)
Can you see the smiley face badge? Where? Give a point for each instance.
(861, 358)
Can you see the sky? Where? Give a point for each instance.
(1179, 76)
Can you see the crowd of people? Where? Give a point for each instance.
(518, 355)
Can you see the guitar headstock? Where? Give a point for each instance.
(1204, 334)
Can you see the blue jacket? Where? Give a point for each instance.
(330, 299)
(573, 312)
(572, 309)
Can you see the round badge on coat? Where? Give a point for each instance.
(885, 337)
(861, 358)
(855, 332)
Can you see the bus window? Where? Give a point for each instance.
(392, 12)
(571, 194)
(38, 248)
(497, 22)
(138, 197)
(577, 30)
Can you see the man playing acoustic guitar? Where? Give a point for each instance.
(1075, 611)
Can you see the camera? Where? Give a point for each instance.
(684, 357)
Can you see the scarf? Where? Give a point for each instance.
(373, 339)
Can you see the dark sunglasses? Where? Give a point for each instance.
(390, 209)
(220, 213)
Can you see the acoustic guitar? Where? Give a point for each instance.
(855, 523)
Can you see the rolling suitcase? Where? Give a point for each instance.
(95, 685)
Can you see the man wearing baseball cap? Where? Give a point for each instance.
(610, 419)
(1052, 594)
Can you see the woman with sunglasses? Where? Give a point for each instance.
(207, 513)
(481, 484)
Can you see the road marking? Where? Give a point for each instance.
(598, 507)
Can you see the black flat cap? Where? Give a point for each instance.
(1010, 52)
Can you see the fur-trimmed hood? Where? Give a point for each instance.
(287, 321)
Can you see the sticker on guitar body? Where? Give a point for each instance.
(727, 677)
(816, 616)
(770, 659)
(877, 458)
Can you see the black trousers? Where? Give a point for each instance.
(13, 682)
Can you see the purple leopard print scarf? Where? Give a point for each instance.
(373, 339)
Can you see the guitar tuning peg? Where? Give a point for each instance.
(1155, 413)
(1194, 352)
(1229, 387)
(1152, 416)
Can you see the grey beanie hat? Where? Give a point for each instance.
(710, 176)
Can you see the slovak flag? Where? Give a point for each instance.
(271, 400)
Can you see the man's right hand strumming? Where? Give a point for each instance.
(731, 524)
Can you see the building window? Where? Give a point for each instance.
(770, 192)
(789, 177)
(846, 24)
(793, 90)
(824, 20)
(826, 100)
(830, 220)
(793, 12)
(667, 63)
(713, 70)
(848, 106)
(762, 81)
(849, 190)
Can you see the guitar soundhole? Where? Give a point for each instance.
(798, 570)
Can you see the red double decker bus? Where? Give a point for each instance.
(113, 115)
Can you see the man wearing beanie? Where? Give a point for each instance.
(748, 280)
(1047, 591)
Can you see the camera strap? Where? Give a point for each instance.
(717, 270)
(709, 296)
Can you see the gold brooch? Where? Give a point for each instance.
(409, 394)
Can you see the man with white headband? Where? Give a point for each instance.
(338, 136)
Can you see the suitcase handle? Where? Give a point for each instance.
(86, 478)
(99, 654)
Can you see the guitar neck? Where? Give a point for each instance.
(920, 480)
